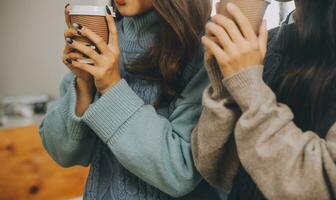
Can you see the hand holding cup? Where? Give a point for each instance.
(70, 54)
(233, 41)
(105, 62)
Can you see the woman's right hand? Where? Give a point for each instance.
(69, 54)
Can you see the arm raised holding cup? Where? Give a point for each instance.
(62, 124)
(231, 46)
(84, 81)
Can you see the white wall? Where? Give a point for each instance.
(31, 38)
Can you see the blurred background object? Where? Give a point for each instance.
(2, 115)
(19, 111)
(33, 105)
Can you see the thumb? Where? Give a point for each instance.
(263, 38)
(66, 15)
(113, 31)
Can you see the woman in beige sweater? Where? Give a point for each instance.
(274, 140)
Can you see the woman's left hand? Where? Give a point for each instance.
(234, 44)
(105, 71)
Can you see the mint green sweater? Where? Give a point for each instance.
(134, 150)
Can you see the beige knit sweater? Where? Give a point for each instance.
(242, 123)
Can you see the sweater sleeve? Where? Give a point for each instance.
(284, 161)
(213, 145)
(68, 140)
(154, 148)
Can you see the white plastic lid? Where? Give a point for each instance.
(89, 10)
(101, 3)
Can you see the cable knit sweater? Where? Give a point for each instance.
(243, 124)
(135, 151)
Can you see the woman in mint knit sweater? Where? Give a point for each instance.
(131, 114)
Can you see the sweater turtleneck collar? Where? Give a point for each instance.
(141, 28)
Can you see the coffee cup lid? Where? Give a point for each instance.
(89, 10)
(101, 3)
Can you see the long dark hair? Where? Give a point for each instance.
(178, 41)
(306, 78)
(307, 82)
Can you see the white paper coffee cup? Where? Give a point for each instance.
(92, 17)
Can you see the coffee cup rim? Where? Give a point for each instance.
(268, 1)
(89, 10)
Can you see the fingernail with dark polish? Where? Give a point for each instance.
(69, 40)
(91, 46)
(69, 60)
(77, 26)
(68, 4)
(108, 10)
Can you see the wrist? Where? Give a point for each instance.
(85, 85)
(245, 86)
(113, 83)
(85, 96)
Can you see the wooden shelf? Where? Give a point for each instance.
(28, 173)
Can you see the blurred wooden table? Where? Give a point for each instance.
(28, 173)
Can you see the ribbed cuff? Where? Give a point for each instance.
(218, 90)
(246, 86)
(76, 127)
(112, 110)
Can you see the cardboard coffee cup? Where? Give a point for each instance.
(254, 10)
(92, 17)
